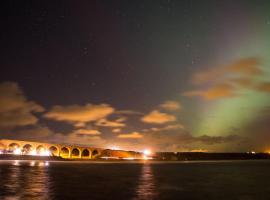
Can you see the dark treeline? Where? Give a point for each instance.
(173, 156)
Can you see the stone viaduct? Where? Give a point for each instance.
(62, 150)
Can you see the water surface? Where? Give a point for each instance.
(243, 180)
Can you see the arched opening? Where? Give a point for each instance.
(94, 153)
(64, 152)
(53, 150)
(85, 153)
(75, 153)
(13, 146)
(40, 149)
(27, 149)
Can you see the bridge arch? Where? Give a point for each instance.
(86, 153)
(75, 153)
(95, 153)
(40, 149)
(13, 146)
(27, 149)
(54, 151)
(65, 152)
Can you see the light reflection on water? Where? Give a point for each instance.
(26, 180)
(146, 186)
(139, 181)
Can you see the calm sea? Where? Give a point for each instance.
(243, 180)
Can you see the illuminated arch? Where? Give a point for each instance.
(40, 149)
(54, 150)
(64, 152)
(85, 153)
(94, 153)
(75, 153)
(27, 149)
(13, 146)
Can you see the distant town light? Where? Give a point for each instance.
(130, 158)
(147, 152)
(114, 148)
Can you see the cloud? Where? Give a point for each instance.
(157, 117)
(171, 105)
(15, 109)
(133, 135)
(227, 80)
(218, 91)
(170, 127)
(87, 132)
(241, 67)
(263, 87)
(80, 124)
(121, 119)
(247, 66)
(79, 115)
(107, 123)
(116, 130)
(207, 75)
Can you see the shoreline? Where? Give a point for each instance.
(195, 157)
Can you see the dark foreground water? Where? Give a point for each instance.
(243, 180)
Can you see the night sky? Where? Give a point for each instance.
(165, 75)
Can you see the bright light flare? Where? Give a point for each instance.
(33, 153)
(114, 148)
(130, 158)
(17, 151)
(147, 152)
(44, 152)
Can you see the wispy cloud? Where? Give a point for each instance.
(215, 92)
(87, 132)
(241, 67)
(170, 105)
(263, 87)
(169, 127)
(226, 81)
(133, 135)
(79, 114)
(107, 123)
(116, 130)
(157, 117)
